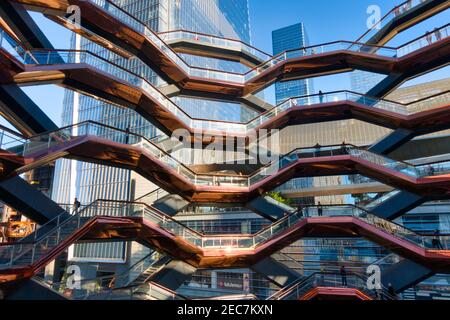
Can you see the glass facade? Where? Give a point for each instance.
(363, 81)
(285, 39)
(289, 38)
(89, 182)
(227, 18)
(223, 18)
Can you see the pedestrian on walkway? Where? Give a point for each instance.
(437, 34)
(344, 147)
(317, 148)
(127, 135)
(76, 205)
(344, 276)
(300, 210)
(319, 209)
(429, 37)
(321, 96)
(437, 241)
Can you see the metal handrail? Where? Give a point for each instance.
(276, 56)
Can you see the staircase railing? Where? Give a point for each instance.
(28, 253)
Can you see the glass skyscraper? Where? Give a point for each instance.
(224, 18)
(284, 39)
(363, 81)
(89, 182)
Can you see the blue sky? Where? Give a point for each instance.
(325, 21)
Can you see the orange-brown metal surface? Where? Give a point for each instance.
(119, 33)
(98, 150)
(152, 235)
(330, 293)
(88, 80)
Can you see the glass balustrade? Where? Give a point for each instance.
(440, 168)
(387, 261)
(136, 270)
(244, 242)
(376, 159)
(153, 196)
(381, 199)
(147, 291)
(152, 291)
(427, 242)
(420, 43)
(400, 10)
(342, 96)
(141, 28)
(27, 253)
(98, 286)
(43, 145)
(183, 35)
(316, 50)
(45, 57)
(11, 142)
(98, 290)
(389, 52)
(11, 46)
(323, 279)
(428, 103)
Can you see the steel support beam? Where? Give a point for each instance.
(406, 20)
(404, 275)
(33, 290)
(276, 272)
(174, 274)
(22, 112)
(268, 208)
(392, 141)
(422, 148)
(18, 194)
(398, 205)
(171, 204)
(23, 26)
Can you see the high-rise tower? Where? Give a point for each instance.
(88, 182)
(290, 38)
